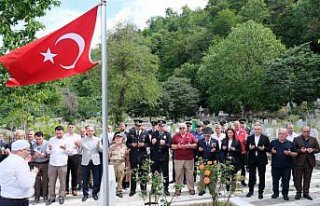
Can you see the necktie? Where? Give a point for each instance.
(207, 143)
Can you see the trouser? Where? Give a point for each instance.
(283, 174)
(137, 169)
(54, 172)
(14, 202)
(42, 180)
(119, 168)
(80, 171)
(252, 177)
(173, 171)
(305, 173)
(100, 170)
(95, 169)
(162, 167)
(127, 171)
(243, 164)
(73, 166)
(184, 166)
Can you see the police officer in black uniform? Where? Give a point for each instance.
(154, 128)
(160, 145)
(137, 141)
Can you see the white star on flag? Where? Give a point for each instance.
(48, 56)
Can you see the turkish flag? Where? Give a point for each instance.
(62, 53)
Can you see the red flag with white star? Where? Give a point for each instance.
(62, 53)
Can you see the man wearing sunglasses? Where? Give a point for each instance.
(183, 144)
(16, 180)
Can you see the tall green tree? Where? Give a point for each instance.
(132, 71)
(232, 69)
(293, 77)
(255, 10)
(24, 13)
(296, 22)
(179, 99)
(18, 25)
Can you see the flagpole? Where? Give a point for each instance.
(105, 181)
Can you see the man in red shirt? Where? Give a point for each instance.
(183, 144)
(241, 136)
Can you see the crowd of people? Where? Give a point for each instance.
(76, 159)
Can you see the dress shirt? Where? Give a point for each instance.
(58, 156)
(16, 180)
(219, 139)
(256, 140)
(229, 143)
(73, 138)
(292, 136)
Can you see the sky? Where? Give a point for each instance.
(133, 11)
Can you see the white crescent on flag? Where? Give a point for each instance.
(81, 44)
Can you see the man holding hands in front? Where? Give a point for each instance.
(282, 151)
(306, 146)
(257, 146)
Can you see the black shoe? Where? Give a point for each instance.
(95, 197)
(61, 200)
(202, 193)
(285, 197)
(243, 183)
(260, 196)
(50, 201)
(132, 193)
(298, 196)
(119, 195)
(274, 196)
(307, 196)
(249, 194)
(84, 198)
(166, 192)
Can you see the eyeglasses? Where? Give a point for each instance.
(181, 128)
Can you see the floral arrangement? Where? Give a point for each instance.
(213, 176)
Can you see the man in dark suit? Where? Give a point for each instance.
(160, 145)
(137, 141)
(257, 146)
(306, 147)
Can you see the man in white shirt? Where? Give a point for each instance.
(16, 180)
(73, 159)
(291, 133)
(58, 149)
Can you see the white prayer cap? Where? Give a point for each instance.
(20, 145)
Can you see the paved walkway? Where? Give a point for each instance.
(238, 198)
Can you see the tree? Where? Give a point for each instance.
(131, 71)
(19, 105)
(296, 22)
(24, 13)
(232, 70)
(179, 99)
(293, 77)
(224, 21)
(255, 10)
